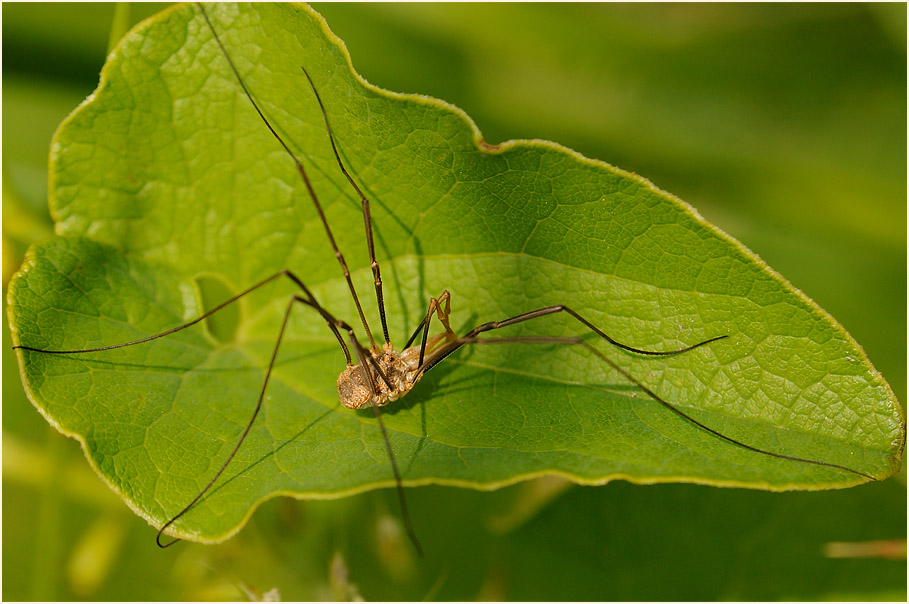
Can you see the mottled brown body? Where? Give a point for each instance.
(357, 388)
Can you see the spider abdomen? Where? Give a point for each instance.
(357, 388)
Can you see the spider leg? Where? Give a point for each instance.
(333, 324)
(473, 339)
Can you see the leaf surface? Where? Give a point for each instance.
(167, 176)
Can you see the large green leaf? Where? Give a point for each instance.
(167, 176)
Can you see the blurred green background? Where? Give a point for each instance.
(785, 125)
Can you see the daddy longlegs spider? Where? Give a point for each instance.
(378, 374)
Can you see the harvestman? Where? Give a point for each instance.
(382, 375)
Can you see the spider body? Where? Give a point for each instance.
(385, 377)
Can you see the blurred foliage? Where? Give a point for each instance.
(744, 111)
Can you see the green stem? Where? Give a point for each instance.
(120, 25)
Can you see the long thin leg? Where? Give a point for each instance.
(333, 324)
(542, 312)
(434, 306)
(303, 174)
(274, 355)
(405, 515)
(365, 360)
(367, 216)
(472, 339)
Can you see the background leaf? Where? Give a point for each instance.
(174, 176)
(471, 583)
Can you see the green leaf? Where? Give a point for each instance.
(167, 177)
